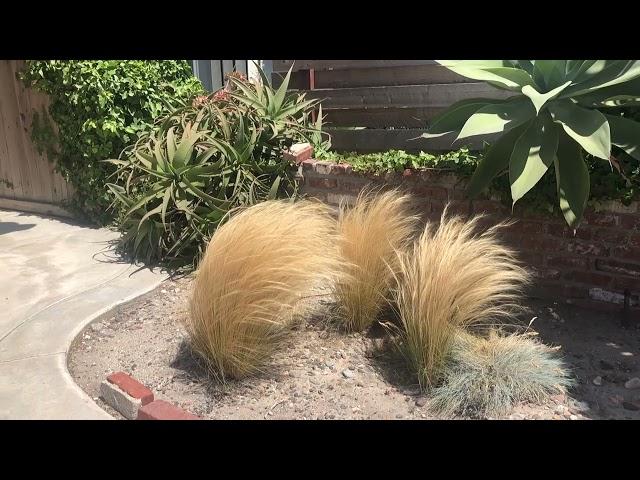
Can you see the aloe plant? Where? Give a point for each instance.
(177, 183)
(552, 118)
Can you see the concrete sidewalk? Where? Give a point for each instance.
(55, 278)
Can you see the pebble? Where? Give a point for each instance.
(616, 400)
(573, 417)
(421, 402)
(559, 409)
(632, 384)
(347, 373)
(580, 406)
(597, 381)
(97, 327)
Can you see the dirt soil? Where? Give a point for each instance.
(324, 374)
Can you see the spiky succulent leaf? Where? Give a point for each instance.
(532, 155)
(495, 161)
(572, 180)
(456, 116)
(498, 118)
(587, 127)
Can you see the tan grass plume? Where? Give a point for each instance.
(452, 278)
(378, 225)
(256, 270)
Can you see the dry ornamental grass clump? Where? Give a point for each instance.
(250, 284)
(452, 278)
(370, 234)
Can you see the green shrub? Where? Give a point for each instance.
(225, 150)
(100, 107)
(607, 183)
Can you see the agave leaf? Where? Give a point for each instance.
(497, 118)
(526, 65)
(539, 99)
(507, 78)
(549, 74)
(627, 93)
(603, 73)
(532, 155)
(495, 161)
(625, 133)
(474, 63)
(587, 127)
(454, 118)
(572, 180)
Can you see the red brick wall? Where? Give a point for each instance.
(591, 268)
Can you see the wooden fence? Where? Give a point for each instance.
(212, 72)
(391, 101)
(28, 180)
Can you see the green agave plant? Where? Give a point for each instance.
(177, 183)
(553, 115)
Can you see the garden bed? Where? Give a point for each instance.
(323, 374)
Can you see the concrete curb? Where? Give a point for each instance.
(38, 349)
(134, 401)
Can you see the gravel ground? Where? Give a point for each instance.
(322, 374)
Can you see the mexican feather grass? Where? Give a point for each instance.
(370, 233)
(452, 278)
(252, 280)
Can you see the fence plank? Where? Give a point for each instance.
(284, 65)
(241, 66)
(377, 77)
(378, 140)
(416, 96)
(385, 117)
(25, 175)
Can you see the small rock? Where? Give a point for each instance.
(421, 402)
(597, 381)
(559, 409)
(632, 383)
(97, 327)
(616, 400)
(573, 417)
(580, 406)
(347, 373)
(631, 405)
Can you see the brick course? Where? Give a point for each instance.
(590, 267)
